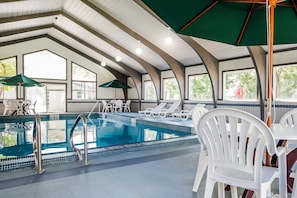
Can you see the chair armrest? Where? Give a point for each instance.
(280, 151)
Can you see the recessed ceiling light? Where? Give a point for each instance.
(168, 40)
(138, 51)
(118, 58)
(103, 64)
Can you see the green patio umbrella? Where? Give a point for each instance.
(20, 80)
(115, 84)
(236, 22)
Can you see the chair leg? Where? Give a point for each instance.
(234, 193)
(201, 168)
(294, 193)
(209, 188)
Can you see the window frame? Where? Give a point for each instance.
(164, 89)
(84, 82)
(189, 87)
(239, 99)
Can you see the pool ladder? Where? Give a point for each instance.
(84, 121)
(37, 144)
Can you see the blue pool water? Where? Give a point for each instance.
(16, 138)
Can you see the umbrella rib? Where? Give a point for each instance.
(246, 21)
(294, 5)
(198, 16)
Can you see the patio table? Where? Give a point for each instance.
(281, 132)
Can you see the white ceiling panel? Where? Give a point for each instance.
(85, 50)
(18, 25)
(222, 51)
(23, 35)
(19, 8)
(100, 44)
(136, 18)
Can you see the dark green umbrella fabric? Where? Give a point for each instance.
(115, 84)
(20, 80)
(232, 22)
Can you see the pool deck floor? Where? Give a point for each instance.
(165, 171)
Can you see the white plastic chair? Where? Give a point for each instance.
(289, 118)
(26, 106)
(118, 106)
(148, 111)
(198, 111)
(31, 107)
(236, 142)
(167, 112)
(106, 107)
(126, 106)
(11, 107)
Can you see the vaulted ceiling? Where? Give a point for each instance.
(104, 29)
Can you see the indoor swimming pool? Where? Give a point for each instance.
(16, 137)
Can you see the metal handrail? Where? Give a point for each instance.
(84, 121)
(37, 144)
(92, 110)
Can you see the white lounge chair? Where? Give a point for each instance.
(167, 112)
(183, 114)
(186, 114)
(148, 111)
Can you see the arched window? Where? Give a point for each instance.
(45, 64)
(7, 68)
(285, 82)
(149, 90)
(83, 83)
(240, 85)
(171, 90)
(200, 87)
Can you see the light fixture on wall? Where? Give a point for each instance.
(168, 39)
(103, 64)
(138, 50)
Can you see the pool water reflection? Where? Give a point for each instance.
(16, 138)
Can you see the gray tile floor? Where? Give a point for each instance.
(167, 171)
(159, 171)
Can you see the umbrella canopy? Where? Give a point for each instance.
(20, 80)
(236, 22)
(115, 84)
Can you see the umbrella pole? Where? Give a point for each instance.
(271, 6)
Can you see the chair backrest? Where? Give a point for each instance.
(160, 106)
(104, 103)
(13, 104)
(289, 118)
(128, 102)
(118, 104)
(198, 111)
(174, 106)
(235, 140)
